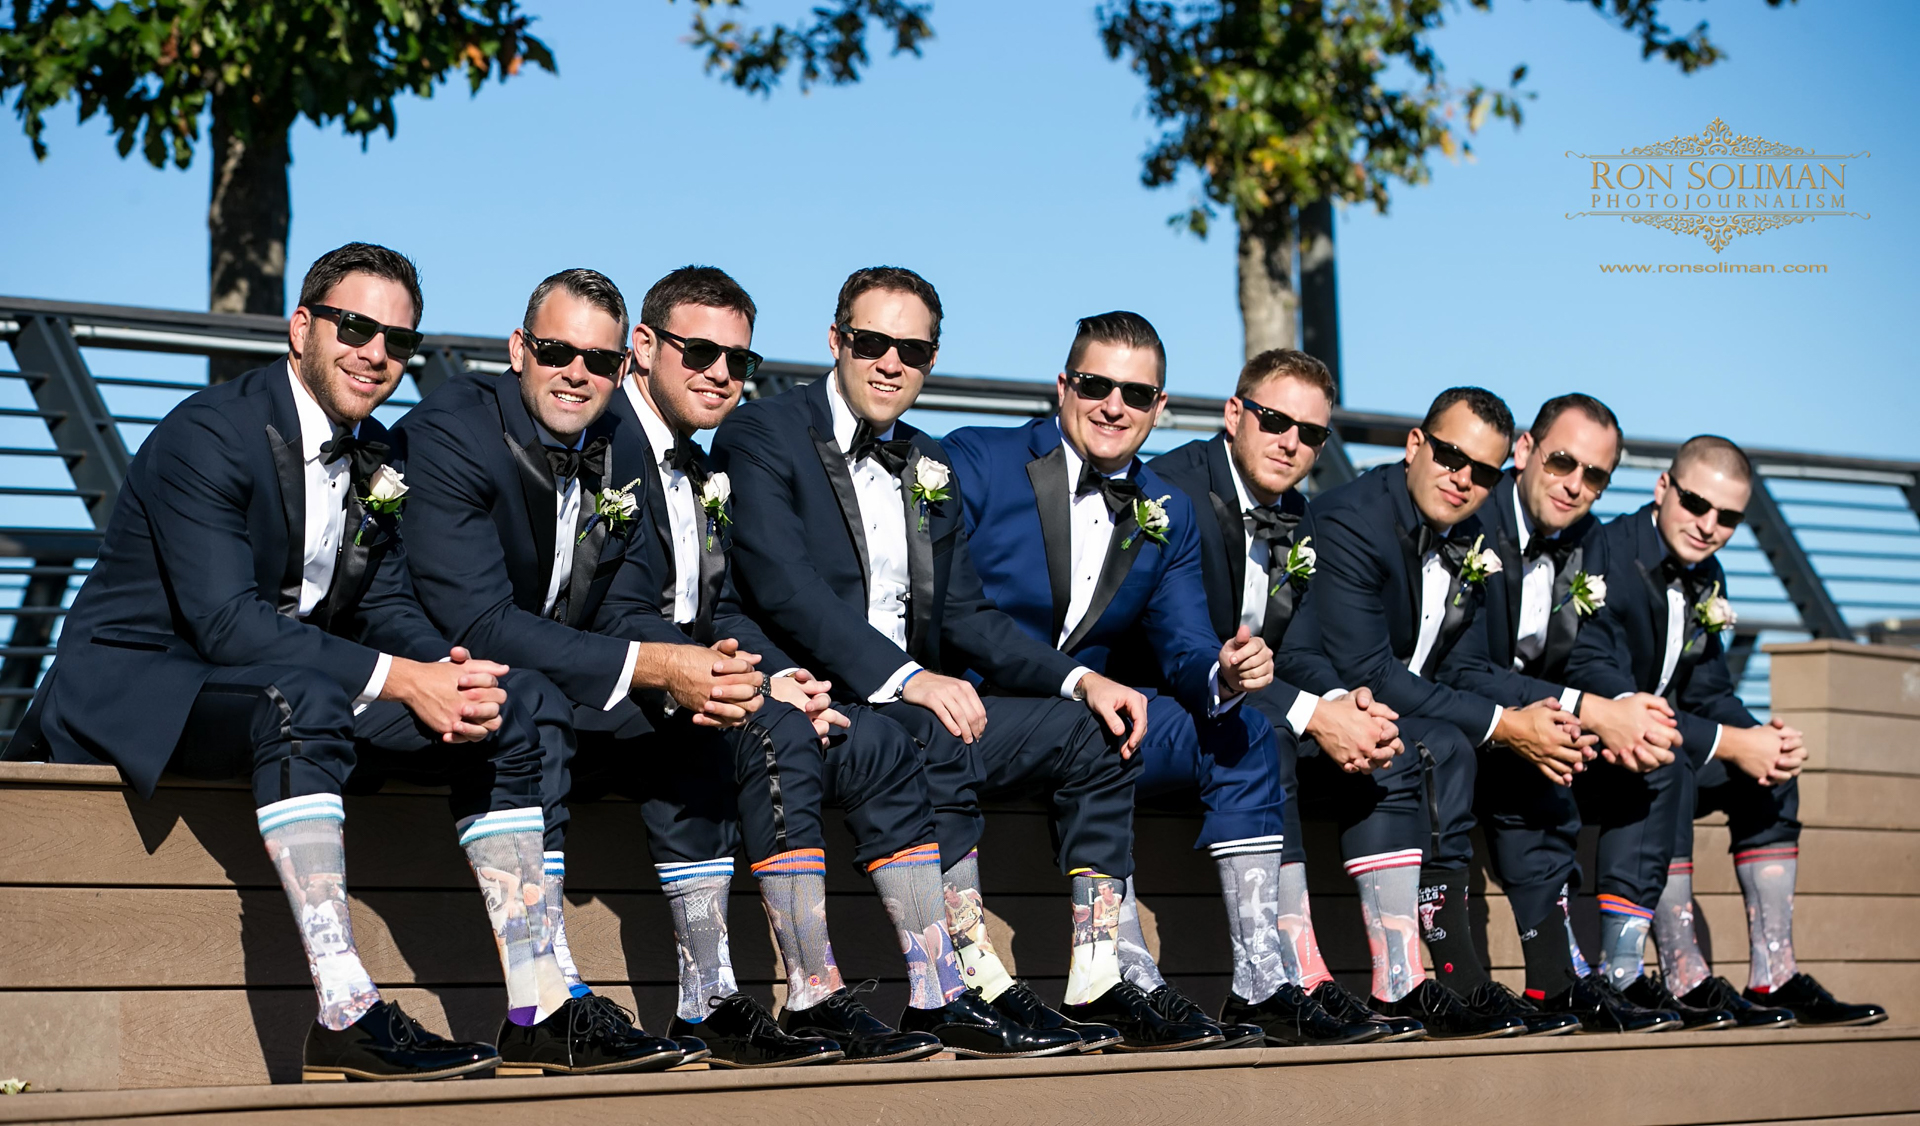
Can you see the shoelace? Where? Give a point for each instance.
(1341, 1003)
(404, 1029)
(758, 1018)
(1177, 1007)
(1493, 997)
(595, 1012)
(848, 1001)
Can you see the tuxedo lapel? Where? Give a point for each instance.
(662, 521)
(536, 476)
(1506, 542)
(1564, 620)
(1052, 494)
(1453, 621)
(834, 460)
(588, 548)
(1113, 572)
(1225, 500)
(289, 468)
(919, 574)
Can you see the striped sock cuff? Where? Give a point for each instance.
(1090, 874)
(1680, 868)
(695, 870)
(1767, 852)
(1246, 846)
(1379, 861)
(555, 864)
(799, 862)
(310, 807)
(529, 820)
(919, 856)
(1614, 905)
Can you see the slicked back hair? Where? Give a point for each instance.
(332, 268)
(694, 285)
(1599, 412)
(1121, 329)
(591, 286)
(1715, 451)
(1485, 405)
(898, 279)
(1289, 362)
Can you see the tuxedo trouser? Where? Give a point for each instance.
(673, 770)
(1533, 830)
(1229, 760)
(1756, 815)
(1419, 801)
(1288, 749)
(295, 731)
(1031, 747)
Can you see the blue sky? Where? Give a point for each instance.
(1004, 165)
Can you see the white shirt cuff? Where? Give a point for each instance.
(890, 691)
(1073, 680)
(1718, 731)
(1569, 700)
(375, 683)
(1219, 707)
(1498, 711)
(1336, 694)
(625, 684)
(1301, 713)
(786, 672)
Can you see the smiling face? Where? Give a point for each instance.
(881, 390)
(1271, 464)
(346, 381)
(1557, 503)
(1446, 497)
(1692, 538)
(690, 400)
(1107, 432)
(565, 400)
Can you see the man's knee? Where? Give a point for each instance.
(530, 692)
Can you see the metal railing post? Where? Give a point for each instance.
(442, 365)
(46, 586)
(1791, 565)
(83, 428)
(1333, 467)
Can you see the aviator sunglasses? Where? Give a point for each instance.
(1453, 459)
(699, 354)
(1560, 463)
(1139, 396)
(358, 328)
(870, 345)
(1700, 506)
(559, 353)
(1276, 422)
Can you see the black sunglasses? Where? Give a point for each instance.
(1139, 396)
(869, 345)
(1700, 506)
(1560, 463)
(1275, 422)
(559, 353)
(358, 328)
(1453, 459)
(699, 355)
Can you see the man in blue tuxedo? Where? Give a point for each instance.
(851, 551)
(251, 613)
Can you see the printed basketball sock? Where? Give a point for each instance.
(1545, 948)
(1682, 963)
(696, 893)
(304, 845)
(1766, 884)
(1443, 923)
(505, 848)
(1094, 966)
(793, 886)
(966, 922)
(1623, 939)
(1389, 884)
(1299, 948)
(1136, 965)
(556, 875)
(1579, 960)
(909, 885)
(1250, 888)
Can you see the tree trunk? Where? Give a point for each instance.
(247, 225)
(1319, 302)
(1269, 304)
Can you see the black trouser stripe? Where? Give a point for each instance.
(773, 789)
(286, 733)
(1433, 802)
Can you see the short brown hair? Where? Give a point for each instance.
(1289, 362)
(694, 285)
(899, 279)
(1130, 330)
(591, 286)
(332, 268)
(1715, 451)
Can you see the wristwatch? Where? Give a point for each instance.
(766, 684)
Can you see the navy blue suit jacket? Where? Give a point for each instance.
(800, 559)
(200, 568)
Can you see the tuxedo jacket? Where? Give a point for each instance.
(1621, 648)
(799, 555)
(1017, 501)
(200, 569)
(481, 511)
(1362, 610)
(1483, 661)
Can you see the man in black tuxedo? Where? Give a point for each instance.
(251, 612)
(1400, 575)
(851, 551)
(1662, 631)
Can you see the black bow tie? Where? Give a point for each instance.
(685, 456)
(1118, 492)
(1272, 525)
(1556, 548)
(892, 454)
(1453, 549)
(1692, 581)
(363, 457)
(589, 462)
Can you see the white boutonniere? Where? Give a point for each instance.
(615, 506)
(1479, 563)
(1587, 593)
(386, 492)
(1301, 560)
(1151, 516)
(930, 481)
(714, 496)
(1713, 613)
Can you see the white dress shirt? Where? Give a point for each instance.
(1253, 598)
(1435, 581)
(683, 507)
(1536, 604)
(1670, 660)
(883, 520)
(328, 488)
(568, 496)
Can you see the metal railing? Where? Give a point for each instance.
(1831, 547)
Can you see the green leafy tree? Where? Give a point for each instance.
(249, 69)
(831, 46)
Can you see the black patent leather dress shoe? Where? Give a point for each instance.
(586, 1036)
(1292, 1017)
(1719, 993)
(1649, 991)
(1174, 1005)
(1447, 1016)
(741, 1034)
(1021, 1005)
(970, 1027)
(1811, 1004)
(1142, 1028)
(864, 1037)
(386, 1044)
(692, 1050)
(1493, 999)
(1344, 1006)
(1601, 1008)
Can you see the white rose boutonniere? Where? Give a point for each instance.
(1301, 560)
(930, 481)
(615, 506)
(1714, 614)
(1479, 563)
(1587, 593)
(714, 496)
(386, 492)
(1151, 516)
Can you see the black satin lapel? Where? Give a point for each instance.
(834, 461)
(1658, 604)
(1459, 605)
(1113, 572)
(663, 536)
(919, 577)
(586, 560)
(1233, 534)
(713, 574)
(350, 565)
(288, 467)
(1273, 628)
(1048, 475)
(1411, 563)
(1513, 565)
(1564, 623)
(543, 506)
